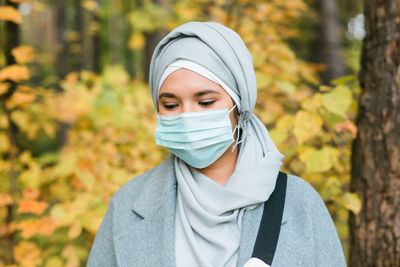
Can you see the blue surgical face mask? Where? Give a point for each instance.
(198, 138)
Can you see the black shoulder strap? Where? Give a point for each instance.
(270, 226)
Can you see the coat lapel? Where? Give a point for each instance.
(149, 237)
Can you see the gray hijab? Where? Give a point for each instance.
(208, 216)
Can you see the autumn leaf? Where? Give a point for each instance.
(20, 1)
(321, 160)
(307, 125)
(27, 254)
(11, 14)
(15, 73)
(70, 254)
(4, 87)
(31, 206)
(4, 143)
(5, 199)
(20, 99)
(23, 54)
(137, 41)
(285, 123)
(30, 193)
(44, 226)
(74, 230)
(337, 101)
(54, 261)
(346, 126)
(313, 103)
(352, 202)
(90, 5)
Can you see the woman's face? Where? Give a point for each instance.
(187, 91)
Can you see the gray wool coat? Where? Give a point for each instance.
(138, 227)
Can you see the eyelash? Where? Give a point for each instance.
(203, 103)
(207, 103)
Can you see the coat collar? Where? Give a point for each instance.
(160, 183)
(147, 238)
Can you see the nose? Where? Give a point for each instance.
(188, 107)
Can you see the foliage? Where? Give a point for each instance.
(52, 200)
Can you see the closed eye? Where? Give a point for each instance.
(170, 106)
(207, 103)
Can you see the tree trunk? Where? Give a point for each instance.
(78, 62)
(11, 41)
(61, 63)
(96, 41)
(152, 39)
(328, 40)
(375, 231)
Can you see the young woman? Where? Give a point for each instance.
(203, 205)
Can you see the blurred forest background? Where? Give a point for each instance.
(77, 120)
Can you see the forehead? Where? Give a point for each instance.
(187, 82)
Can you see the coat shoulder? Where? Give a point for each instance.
(301, 192)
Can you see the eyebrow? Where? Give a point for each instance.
(201, 93)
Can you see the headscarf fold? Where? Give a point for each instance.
(208, 216)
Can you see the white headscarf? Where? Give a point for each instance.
(208, 216)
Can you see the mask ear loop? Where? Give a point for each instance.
(244, 117)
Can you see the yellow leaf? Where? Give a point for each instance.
(352, 202)
(313, 103)
(31, 206)
(69, 253)
(321, 160)
(325, 88)
(11, 14)
(278, 136)
(4, 143)
(93, 224)
(285, 123)
(338, 101)
(307, 125)
(21, 119)
(23, 54)
(30, 193)
(137, 41)
(20, 99)
(27, 254)
(44, 226)
(54, 261)
(15, 73)
(4, 87)
(20, 1)
(5, 199)
(90, 5)
(31, 177)
(49, 129)
(286, 87)
(74, 230)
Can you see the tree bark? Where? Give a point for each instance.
(327, 43)
(97, 43)
(61, 63)
(12, 40)
(375, 231)
(78, 62)
(61, 59)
